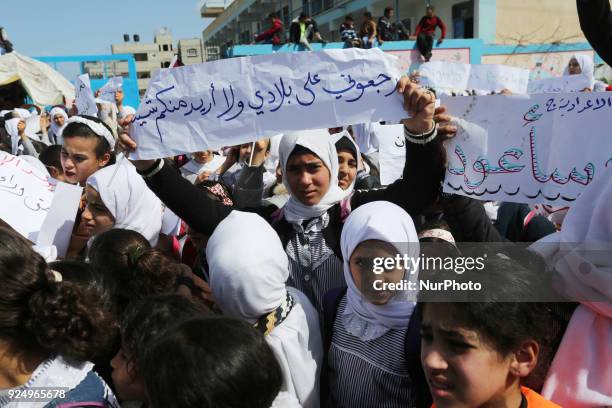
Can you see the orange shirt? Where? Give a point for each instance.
(534, 400)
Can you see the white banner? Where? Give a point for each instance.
(27, 196)
(489, 78)
(107, 92)
(569, 83)
(391, 153)
(529, 148)
(228, 102)
(85, 102)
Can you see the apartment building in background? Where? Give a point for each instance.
(149, 57)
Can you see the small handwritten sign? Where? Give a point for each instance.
(233, 101)
(26, 195)
(392, 152)
(568, 83)
(489, 78)
(85, 102)
(529, 148)
(107, 92)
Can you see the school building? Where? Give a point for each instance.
(540, 35)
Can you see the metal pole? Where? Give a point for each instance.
(397, 11)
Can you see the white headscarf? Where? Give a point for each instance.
(128, 198)
(57, 130)
(320, 143)
(248, 268)
(581, 254)
(384, 221)
(586, 65)
(13, 131)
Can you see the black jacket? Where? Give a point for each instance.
(596, 23)
(415, 192)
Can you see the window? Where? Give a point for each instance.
(165, 64)
(165, 47)
(192, 52)
(143, 75)
(141, 57)
(463, 20)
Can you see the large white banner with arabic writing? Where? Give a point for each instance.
(529, 148)
(234, 101)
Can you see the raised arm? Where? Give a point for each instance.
(425, 154)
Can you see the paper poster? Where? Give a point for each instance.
(27, 196)
(107, 92)
(569, 83)
(233, 101)
(85, 101)
(392, 152)
(488, 78)
(529, 148)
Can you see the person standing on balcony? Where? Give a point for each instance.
(273, 34)
(426, 32)
(368, 31)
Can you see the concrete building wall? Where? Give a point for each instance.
(191, 51)
(537, 21)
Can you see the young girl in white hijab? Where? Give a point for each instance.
(581, 64)
(204, 161)
(248, 269)
(366, 361)
(58, 118)
(117, 197)
(21, 143)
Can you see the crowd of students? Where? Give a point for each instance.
(241, 277)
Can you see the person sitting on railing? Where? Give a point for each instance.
(273, 34)
(348, 34)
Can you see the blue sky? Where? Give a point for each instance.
(79, 27)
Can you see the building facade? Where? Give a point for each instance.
(493, 21)
(149, 57)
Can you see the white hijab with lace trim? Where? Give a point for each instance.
(321, 144)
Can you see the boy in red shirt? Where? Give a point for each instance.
(426, 31)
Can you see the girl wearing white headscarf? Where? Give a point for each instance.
(310, 223)
(21, 143)
(126, 198)
(585, 67)
(581, 255)
(248, 269)
(56, 116)
(370, 326)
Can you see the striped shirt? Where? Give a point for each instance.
(369, 373)
(314, 268)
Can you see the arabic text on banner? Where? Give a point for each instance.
(543, 148)
(234, 101)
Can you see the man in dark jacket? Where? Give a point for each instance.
(386, 30)
(596, 23)
(304, 30)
